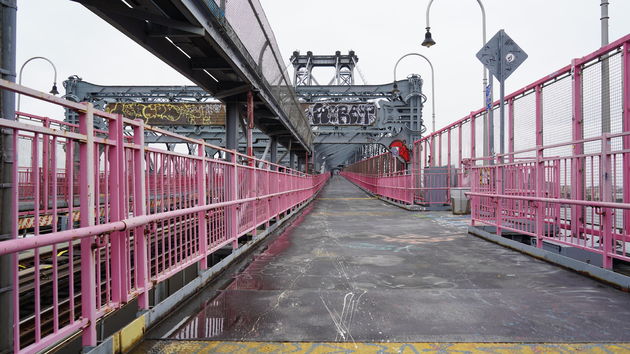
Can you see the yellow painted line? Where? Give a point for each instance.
(352, 213)
(346, 198)
(188, 346)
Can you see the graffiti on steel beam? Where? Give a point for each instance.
(323, 113)
(171, 113)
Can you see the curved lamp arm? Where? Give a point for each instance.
(483, 19)
(432, 80)
(54, 88)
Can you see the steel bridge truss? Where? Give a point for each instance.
(399, 117)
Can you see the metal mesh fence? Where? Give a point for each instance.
(557, 116)
(248, 21)
(525, 124)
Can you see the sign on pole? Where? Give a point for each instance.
(501, 56)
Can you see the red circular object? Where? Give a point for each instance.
(403, 152)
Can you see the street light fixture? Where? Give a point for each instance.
(396, 91)
(53, 91)
(428, 42)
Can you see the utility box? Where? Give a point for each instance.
(436, 185)
(460, 203)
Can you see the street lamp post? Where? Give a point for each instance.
(432, 83)
(429, 41)
(53, 91)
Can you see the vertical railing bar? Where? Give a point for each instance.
(55, 277)
(14, 235)
(86, 127)
(36, 220)
(140, 237)
(626, 138)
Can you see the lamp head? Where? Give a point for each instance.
(395, 91)
(428, 41)
(54, 90)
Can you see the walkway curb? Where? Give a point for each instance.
(619, 280)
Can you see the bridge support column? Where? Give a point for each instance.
(231, 142)
(231, 126)
(273, 152)
(8, 265)
(291, 160)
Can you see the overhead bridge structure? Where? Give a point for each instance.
(226, 48)
(388, 113)
(121, 234)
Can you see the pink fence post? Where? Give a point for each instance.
(473, 149)
(438, 151)
(626, 139)
(140, 204)
(460, 175)
(87, 199)
(605, 179)
(474, 200)
(577, 162)
(233, 215)
(540, 170)
(432, 153)
(449, 182)
(254, 191)
(45, 171)
(14, 235)
(498, 175)
(268, 203)
(511, 129)
(202, 200)
(116, 163)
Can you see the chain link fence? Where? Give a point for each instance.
(247, 20)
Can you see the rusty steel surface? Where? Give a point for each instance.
(171, 113)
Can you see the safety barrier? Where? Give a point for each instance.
(565, 175)
(571, 184)
(382, 175)
(144, 214)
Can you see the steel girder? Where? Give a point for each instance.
(211, 46)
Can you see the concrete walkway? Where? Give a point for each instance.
(356, 269)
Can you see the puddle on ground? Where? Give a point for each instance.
(226, 311)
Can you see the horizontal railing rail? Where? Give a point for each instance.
(565, 174)
(100, 217)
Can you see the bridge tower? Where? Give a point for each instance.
(303, 65)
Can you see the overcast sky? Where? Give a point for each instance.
(552, 32)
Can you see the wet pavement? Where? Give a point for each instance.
(356, 269)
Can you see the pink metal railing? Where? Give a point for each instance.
(143, 215)
(383, 175)
(565, 176)
(570, 182)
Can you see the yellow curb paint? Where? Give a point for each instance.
(116, 343)
(345, 198)
(333, 347)
(131, 334)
